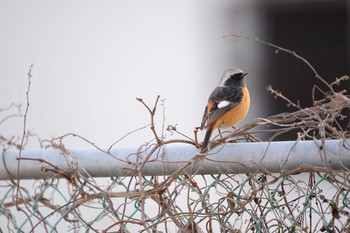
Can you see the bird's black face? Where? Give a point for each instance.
(235, 79)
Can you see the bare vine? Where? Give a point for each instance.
(190, 202)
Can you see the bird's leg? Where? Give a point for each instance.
(233, 140)
(220, 133)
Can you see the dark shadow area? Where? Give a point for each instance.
(319, 32)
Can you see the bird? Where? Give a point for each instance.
(227, 105)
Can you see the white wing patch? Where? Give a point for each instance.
(223, 104)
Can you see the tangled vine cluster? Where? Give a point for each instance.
(285, 202)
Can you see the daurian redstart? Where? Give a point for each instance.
(227, 105)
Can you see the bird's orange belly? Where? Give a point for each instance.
(235, 115)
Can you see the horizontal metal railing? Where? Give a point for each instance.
(232, 158)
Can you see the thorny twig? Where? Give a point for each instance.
(18, 192)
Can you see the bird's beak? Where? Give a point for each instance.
(244, 74)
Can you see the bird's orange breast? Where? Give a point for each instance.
(236, 114)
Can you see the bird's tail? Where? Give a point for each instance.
(206, 140)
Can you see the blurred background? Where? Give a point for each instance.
(92, 59)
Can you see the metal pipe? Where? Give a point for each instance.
(232, 158)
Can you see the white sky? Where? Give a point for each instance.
(92, 59)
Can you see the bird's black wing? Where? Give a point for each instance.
(227, 97)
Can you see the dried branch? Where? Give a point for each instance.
(152, 113)
(281, 49)
(29, 76)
